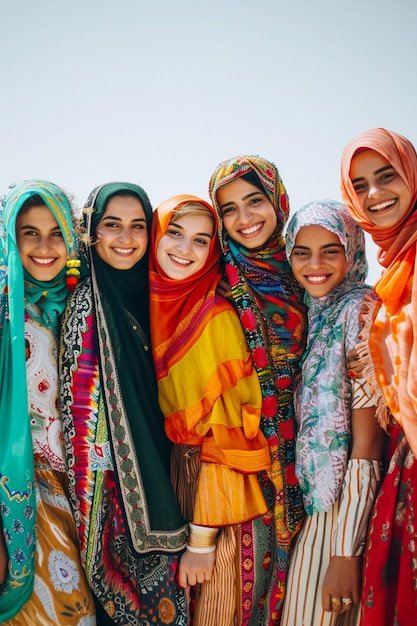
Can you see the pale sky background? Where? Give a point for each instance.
(158, 92)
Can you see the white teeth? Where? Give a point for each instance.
(383, 205)
(123, 250)
(250, 231)
(43, 261)
(316, 279)
(178, 260)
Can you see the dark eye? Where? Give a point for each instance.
(228, 209)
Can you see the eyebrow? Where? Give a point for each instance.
(29, 227)
(248, 195)
(182, 228)
(115, 218)
(327, 245)
(379, 171)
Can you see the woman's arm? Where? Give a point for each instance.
(343, 577)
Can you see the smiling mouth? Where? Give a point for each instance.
(41, 261)
(318, 279)
(382, 206)
(251, 231)
(123, 251)
(179, 260)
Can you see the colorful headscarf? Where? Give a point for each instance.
(323, 397)
(17, 495)
(394, 330)
(208, 389)
(176, 300)
(271, 310)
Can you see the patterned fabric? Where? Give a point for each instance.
(394, 329)
(389, 589)
(61, 594)
(208, 389)
(131, 534)
(323, 397)
(319, 540)
(46, 301)
(269, 303)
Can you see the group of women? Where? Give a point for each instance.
(183, 441)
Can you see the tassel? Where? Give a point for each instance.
(73, 274)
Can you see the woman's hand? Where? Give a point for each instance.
(342, 584)
(355, 367)
(195, 568)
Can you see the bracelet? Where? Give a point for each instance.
(202, 537)
(201, 550)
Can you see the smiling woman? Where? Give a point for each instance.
(129, 524)
(45, 580)
(121, 235)
(379, 185)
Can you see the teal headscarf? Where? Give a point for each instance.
(17, 493)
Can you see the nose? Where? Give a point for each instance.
(315, 260)
(184, 245)
(375, 190)
(125, 235)
(44, 244)
(245, 215)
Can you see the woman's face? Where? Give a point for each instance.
(383, 195)
(40, 242)
(249, 216)
(184, 249)
(122, 236)
(318, 260)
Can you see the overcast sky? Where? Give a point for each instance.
(159, 92)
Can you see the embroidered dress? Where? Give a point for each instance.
(269, 304)
(390, 568)
(129, 524)
(46, 583)
(338, 492)
(211, 398)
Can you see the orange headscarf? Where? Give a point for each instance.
(174, 301)
(393, 334)
(208, 388)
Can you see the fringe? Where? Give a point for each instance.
(369, 311)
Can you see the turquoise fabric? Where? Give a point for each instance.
(17, 492)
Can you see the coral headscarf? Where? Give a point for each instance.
(17, 494)
(392, 340)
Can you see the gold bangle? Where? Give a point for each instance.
(201, 536)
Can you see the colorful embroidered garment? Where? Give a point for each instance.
(208, 388)
(323, 396)
(269, 303)
(394, 329)
(130, 527)
(17, 493)
(390, 569)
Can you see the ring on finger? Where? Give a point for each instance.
(336, 601)
(347, 601)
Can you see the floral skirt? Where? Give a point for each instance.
(389, 592)
(61, 595)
